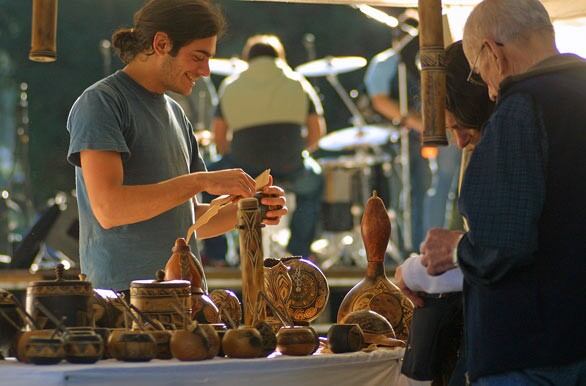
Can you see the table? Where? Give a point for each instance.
(377, 368)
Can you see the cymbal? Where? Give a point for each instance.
(331, 65)
(353, 137)
(227, 66)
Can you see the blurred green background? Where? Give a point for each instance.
(53, 87)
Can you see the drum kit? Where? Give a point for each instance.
(348, 178)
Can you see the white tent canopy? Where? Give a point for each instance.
(569, 17)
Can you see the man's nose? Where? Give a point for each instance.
(204, 69)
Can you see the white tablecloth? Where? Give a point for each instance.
(377, 368)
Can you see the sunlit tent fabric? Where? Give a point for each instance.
(569, 17)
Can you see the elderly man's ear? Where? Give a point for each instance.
(497, 52)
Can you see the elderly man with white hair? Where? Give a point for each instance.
(524, 258)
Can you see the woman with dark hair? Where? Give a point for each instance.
(434, 349)
(137, 164)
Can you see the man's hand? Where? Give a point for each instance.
(437, 250)
(417, 301)
(230, 181)
(274, 198)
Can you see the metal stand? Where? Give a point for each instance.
(405, 164)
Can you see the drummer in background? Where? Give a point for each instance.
(136, 160)
(428, 202)
(435, 338)
(268, 117)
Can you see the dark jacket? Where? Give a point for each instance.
(529, 309)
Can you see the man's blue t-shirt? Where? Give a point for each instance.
(156, 142)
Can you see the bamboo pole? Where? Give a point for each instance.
(44, 31)
(433, 73)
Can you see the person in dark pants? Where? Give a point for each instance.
(434, 351)
(268, 117)
(523, 199)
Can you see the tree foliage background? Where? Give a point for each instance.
(82, 24)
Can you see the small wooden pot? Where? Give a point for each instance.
(132, 346)
(83, 347)
(297, 341)
(242, 342)
(44, 350)
(345, 338)
(269, 338)
(23, 340)
(214, 341)
(163, 341)
(190, 344)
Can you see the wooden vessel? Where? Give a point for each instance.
(156, 299)
(83, 347)
(44, 350)
(132, 346)
(242, 342)
(190, 343)
(376, 292)
(71, 299)
(183, 265)
(297, 340)
(10, 323)
(345, 338)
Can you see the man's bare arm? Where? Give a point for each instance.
(116, 204)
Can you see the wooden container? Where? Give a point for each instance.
(251, 258)
(163, 341)
(297, 341)
(190, 343)
(71, 299)
(242, 342)
(83, 347)
(183, 265)
(268, 336)
(23, 340)
(44, 350)
(10, 323)
(345, 338)
(375, 328)
(214, 342)
(156, 299)
(376, 292)
(132, 346)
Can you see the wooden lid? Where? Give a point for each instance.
(60, 281)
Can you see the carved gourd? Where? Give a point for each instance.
(376, 292)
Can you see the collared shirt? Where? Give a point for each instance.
(503, 192)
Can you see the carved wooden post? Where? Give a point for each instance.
(433, 73)
(251, 258)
